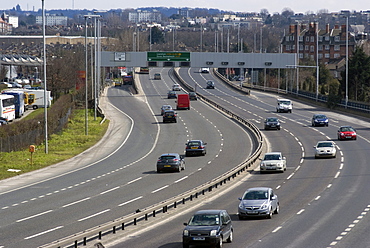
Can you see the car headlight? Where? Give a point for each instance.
(213, 233)
(354, 134)
(186, 233)
(264, 206)
(241, 205)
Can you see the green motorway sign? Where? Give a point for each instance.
(168, 56)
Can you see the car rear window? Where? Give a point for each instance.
(168, 157)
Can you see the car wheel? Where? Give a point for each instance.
(355, 138)
(269, 216)
(313, 124)
(278, 128)
(185, 245)
(183, 167)
(230, 238)
(220, 243)
(261, 172)
(179, 169)
(277, 209)
(290, 111)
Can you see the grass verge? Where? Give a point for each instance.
(67, 144)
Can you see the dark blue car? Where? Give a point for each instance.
(320, 120)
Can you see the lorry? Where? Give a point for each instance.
(183, 101)
(36, 98)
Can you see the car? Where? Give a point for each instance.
(176, 87)
(117, 84)
(27, 86)
(272, 123)
(157, 76)
(169, 116)
(284, 105)
(204, 70)
(273, 161)
(165, 108)
(325, 149)
(347, 132)
(170, 162)
(319, 120)
(210, 84)
(208, 227)
(258, 201)
(194, 147)
(193, 96)
(171, 94)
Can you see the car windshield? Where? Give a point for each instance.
(256, 195)
(325, 144)
(204, 220)
(320, 117)
(271, 119)
(285, 102)
(192, 93)
(272, 157)
(169, 113)
(346, 129)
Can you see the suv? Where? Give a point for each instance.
(260, 201)
(284, 105)
(273, 161)
(169, 116)
(210, 84)
(195, 147)
(170, 162)
(208, 227)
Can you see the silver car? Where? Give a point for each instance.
(325, 149)
(273, 161)
(165, 108)
(260, 201)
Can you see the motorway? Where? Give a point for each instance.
(323, 202)
(118, 175)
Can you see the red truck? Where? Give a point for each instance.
(183, 101)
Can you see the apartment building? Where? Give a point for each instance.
(328, 44)
(52, 20)
(144, 16)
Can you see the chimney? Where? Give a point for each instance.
(291, 29)
(327, 28)
(343, 28)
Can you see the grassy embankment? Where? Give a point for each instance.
(70, 142)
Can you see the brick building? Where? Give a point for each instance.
(331, 42)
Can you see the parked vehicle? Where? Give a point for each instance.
(272, 123)
(319, 120)
(170, 162)
(169, 116)
(347, 132)
(259, 201)
(183, 101)
(194, 147)
(284, 105)
(273, 161)
(325, 149)
(208, 227)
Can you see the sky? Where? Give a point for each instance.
(272, 6)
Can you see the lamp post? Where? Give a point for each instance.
(45, 95)
(86, 104)
(346, 62)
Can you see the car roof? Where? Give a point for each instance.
(210, 211)
(258, 188)
(345, 126)
(325, 141)
(166, 105)
(195, 140)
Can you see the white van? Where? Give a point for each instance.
(284, 105)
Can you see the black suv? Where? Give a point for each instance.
(169, 116)
(208, 227)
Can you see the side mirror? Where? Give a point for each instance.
(239, 198)
(314, 147)
(185, 224)
(205, 143)
(181, 156)
(284, 158)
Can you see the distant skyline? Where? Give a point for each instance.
(272, 6)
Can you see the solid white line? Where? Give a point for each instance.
(181, 179)
(88, 217)
(137, 179)
(300, 211)
(73, 203)
(277, 229)
(154, 191)
(41, 233)
(33, 216)
(137, 198)
(109, 190)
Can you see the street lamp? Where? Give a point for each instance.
(45, 95)
(346, 61)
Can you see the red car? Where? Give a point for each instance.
(347, 132)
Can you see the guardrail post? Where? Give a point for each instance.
(135, 221)
(123, 226)
(100, 235)
(75, 243)
(114, 229)
(153, 213)
(146, 216)
(175, 204)
(85, 241)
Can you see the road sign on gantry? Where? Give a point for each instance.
(168, 56)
